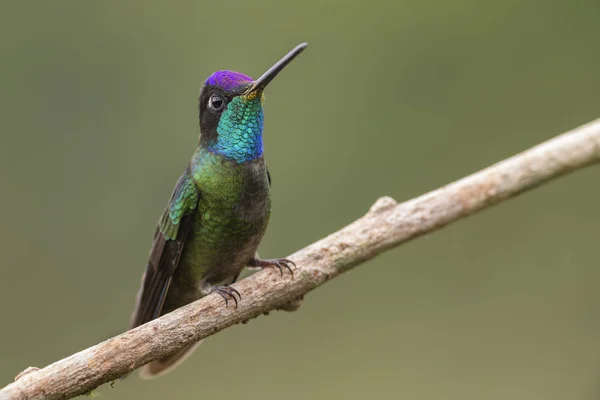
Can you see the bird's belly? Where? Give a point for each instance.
(225, 243)
(221, 243)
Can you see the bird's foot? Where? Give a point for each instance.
(279, 263)
(227, 292)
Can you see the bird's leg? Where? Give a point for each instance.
(279, 263)
(226, 292)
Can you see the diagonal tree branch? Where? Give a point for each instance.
(386, 225)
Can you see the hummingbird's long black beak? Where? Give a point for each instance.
(268, 76)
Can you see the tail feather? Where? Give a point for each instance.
(157, 368)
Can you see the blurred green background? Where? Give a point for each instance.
(98, 118)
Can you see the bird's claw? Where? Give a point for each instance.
(279, 263)
(227, 292)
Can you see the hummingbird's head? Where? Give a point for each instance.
(231, 111)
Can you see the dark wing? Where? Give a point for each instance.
(269, 177)
(169, 240)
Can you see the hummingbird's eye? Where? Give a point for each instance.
(216, 102)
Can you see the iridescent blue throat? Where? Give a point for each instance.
(240, 130)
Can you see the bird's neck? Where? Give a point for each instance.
(240, 132)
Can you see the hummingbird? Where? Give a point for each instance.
(219, 210)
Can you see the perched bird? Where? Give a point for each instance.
(219, 209)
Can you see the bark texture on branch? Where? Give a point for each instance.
(387, 224)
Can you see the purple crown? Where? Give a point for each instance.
(228, 79)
